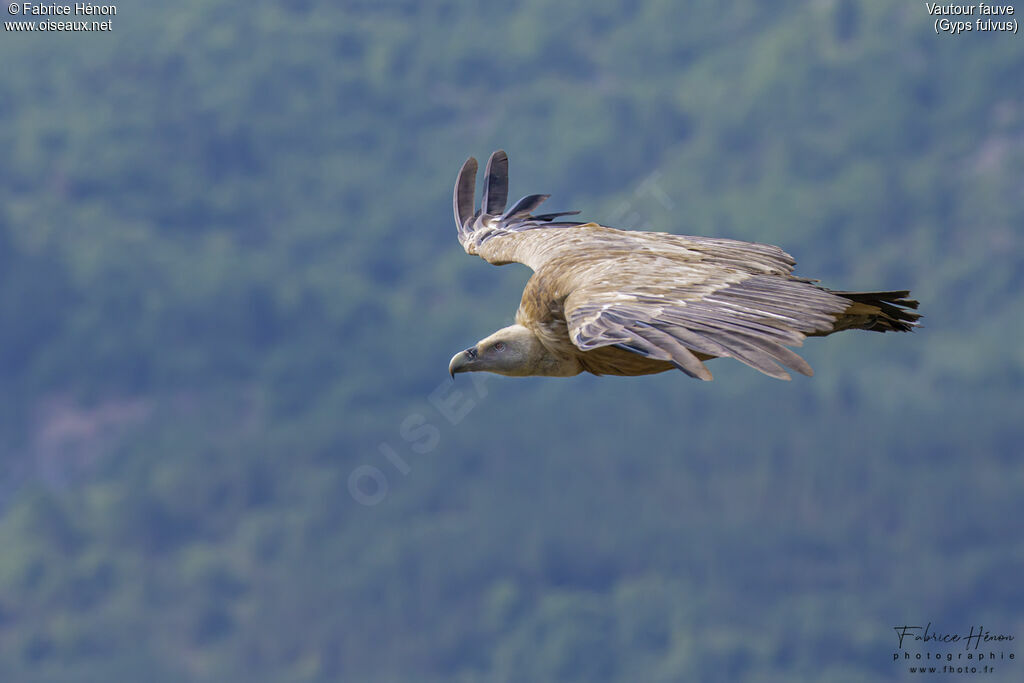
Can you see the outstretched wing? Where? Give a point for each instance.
(724, 299)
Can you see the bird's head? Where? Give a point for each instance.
(512, 350)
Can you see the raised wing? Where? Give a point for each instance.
(500, 236)
(723, 301)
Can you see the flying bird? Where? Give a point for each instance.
(620, 302)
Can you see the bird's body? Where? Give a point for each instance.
(617, 302)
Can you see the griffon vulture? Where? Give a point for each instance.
(616, 302)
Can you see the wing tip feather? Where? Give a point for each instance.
(702, 373)
(495, 184)
(465, 189)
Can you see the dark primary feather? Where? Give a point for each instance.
(465, 188)
(553, 216)
(524, 206)
(495, 184)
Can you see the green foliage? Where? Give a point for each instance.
(229, 282)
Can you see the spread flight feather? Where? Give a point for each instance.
(611, 301)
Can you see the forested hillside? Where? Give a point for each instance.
(230, 287)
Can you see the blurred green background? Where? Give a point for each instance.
(230, 287)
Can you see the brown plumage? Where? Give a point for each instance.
(615, 302)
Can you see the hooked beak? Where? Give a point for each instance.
(462, 361)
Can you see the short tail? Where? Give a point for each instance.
(878, 311)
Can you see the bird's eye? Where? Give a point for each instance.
(499, 346)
